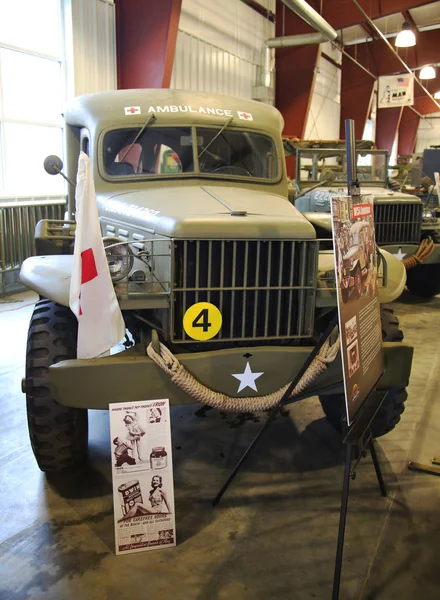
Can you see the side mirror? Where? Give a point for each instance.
(53, 164)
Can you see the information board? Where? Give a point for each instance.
(358, 297)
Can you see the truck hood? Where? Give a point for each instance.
(207, 212)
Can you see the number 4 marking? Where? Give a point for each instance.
(202, 320)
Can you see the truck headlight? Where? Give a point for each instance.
(119, 258)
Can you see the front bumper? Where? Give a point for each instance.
(131, 376)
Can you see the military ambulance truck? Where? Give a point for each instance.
(192, 197)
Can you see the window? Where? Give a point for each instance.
(31, 96)
(169, 151)
(158, 150)
(240, 153)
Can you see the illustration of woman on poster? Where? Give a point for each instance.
(157, 498)
(134, 433)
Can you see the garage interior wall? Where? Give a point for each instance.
(428, 133)
(220, 46)
(70, 46)
(90, 46)
(325, 107)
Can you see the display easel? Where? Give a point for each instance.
(359, 436)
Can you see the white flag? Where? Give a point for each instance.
(92, 296)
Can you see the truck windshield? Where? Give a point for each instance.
(167, 151)
(241, 153)
(371, 166)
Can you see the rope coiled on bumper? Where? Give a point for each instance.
(189, 384)
(425, 249)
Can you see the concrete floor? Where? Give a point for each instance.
(274, 534)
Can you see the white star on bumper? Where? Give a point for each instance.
(400, 255)
(247, 379)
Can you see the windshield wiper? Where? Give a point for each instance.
(151, 119)
(228, 122)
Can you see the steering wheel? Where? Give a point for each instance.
(232, 170)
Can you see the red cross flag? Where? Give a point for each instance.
(245, 115)
(132, 110)
(92, 296)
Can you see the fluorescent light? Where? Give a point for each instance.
(406, 37)
(427, 73)
(437, 95)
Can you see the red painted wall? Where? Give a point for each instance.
(409, 124)
(387, 124)
(146, 34)
(294, 72)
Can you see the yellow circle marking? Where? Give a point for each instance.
(202, 321)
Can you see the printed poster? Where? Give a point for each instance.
(395, 90)
(142, 470)
(358, 298)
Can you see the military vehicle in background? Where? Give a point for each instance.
(401, 226)
(192, 188)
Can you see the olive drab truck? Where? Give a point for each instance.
(403, 225)
(211, 264)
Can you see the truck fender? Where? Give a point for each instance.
(49, 276)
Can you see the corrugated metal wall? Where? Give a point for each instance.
(90, 46)
(219, 46)
(201, 66)
(428, 133)
(325, 107)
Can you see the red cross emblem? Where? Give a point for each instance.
(245, 115)
(88, 269)
(132, 110)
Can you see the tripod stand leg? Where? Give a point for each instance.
(231, 477)
(383, 489)
(342, 520)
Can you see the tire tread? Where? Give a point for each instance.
(58, 434)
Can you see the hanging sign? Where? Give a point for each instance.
(358, 298)
(142, 468)
(396, 90)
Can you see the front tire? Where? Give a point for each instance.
(424, 280)
(58, 434)
(393, 406)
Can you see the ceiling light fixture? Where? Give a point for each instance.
(406, 37)
(427, 73)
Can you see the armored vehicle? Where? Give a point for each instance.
(192, 195)
(402, 225)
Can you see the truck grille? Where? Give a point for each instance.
(263, 289)
(398, 223)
